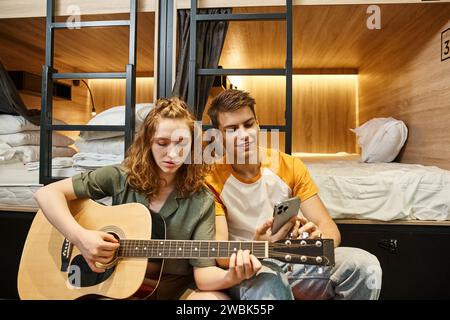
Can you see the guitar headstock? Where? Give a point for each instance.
(304, 251)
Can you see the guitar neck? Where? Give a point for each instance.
(189, 249)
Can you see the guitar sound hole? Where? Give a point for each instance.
(80, 274)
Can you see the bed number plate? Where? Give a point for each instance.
(445, 44)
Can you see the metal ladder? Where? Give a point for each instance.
(49, 74)
(194, 71)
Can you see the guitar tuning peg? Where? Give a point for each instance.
(290, 267)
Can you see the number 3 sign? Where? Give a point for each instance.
(445, 45)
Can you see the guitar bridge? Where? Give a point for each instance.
(66, 252)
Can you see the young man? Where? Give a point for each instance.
(251, 180)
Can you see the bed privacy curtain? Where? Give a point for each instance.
(210, 40)
(10, 101)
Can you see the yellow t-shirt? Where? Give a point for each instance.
(247, 203)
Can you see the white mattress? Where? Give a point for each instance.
(17, 185)
(380, 191)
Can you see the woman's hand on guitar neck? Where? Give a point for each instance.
(96, 246)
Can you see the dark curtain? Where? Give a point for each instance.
(10, 101)
(210, 40)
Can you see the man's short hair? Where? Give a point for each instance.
(229, 101)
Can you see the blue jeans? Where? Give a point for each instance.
(268, 284)
(356, 275)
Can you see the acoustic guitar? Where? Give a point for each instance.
(52, 268)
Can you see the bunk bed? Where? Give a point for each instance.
(400, 244)
(352, 189)
(404, 236)
(20, 177)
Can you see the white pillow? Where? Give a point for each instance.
(381, 139)
(114, 145)
(115, 116)
(33, 138)
(12, 124)
(31, 153)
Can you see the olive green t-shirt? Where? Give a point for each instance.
(190, 218)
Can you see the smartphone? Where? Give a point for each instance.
(283, 211)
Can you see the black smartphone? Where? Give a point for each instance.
(283, 211)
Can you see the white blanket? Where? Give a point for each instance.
(57, 163)
(113, 145)
(31, 153)
(83, 160)
(6, 152)
(382, 191)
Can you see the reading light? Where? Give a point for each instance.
(93, 112)
(76, 83)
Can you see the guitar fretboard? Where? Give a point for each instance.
(187, 249)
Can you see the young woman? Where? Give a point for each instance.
(155, 174)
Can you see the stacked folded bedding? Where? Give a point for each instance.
(89, 161)
(100, 148)
(57, 163)
(21, 138)
(19, 154)
(19, 181)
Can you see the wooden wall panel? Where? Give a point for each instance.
(111, 92)
(324, 109)
(107, 93)
(22, 45)
(405, 78)
(323, 37)
(75, 111)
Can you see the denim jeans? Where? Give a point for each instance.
(268, 284)
(356, 275)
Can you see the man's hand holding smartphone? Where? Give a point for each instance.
(264, 231)
(286, 223)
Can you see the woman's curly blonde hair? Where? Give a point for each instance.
(140, 164)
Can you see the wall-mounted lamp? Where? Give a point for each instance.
(77, 83)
